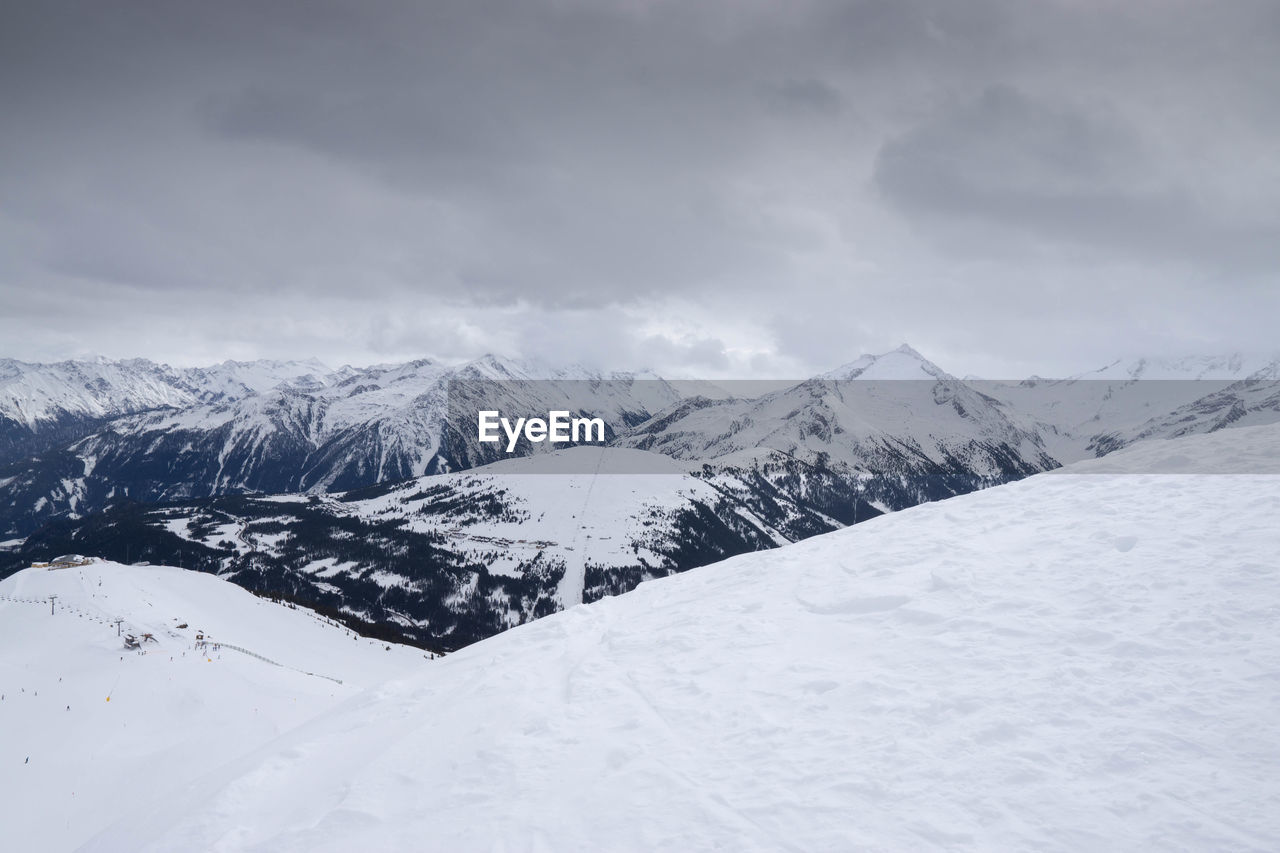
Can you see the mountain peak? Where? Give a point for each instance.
(904, 362)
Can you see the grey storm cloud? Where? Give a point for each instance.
(1009, 163)
(723, 185)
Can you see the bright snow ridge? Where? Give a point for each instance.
(1065, 663)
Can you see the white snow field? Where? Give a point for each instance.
(90, 731)
(1065, 663)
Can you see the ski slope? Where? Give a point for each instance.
(90, 730)
(1064, 663)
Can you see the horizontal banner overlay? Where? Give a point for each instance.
(932, 429)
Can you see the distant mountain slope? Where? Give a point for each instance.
(1251, 401)
(908, 432)
(354, 429)
(45, 406)
(93, 730)
(1067, 662)
(1101, 411)
(1230, 367)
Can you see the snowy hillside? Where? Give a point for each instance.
(1064, 663)
(90, 730)
(624, 514)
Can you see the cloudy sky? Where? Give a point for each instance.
(721, 187)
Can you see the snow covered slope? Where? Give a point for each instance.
(1064, 663)
(90, 730)
(608, 518)
(626, 513)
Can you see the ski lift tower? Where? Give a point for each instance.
(118, 621)
(52, 598)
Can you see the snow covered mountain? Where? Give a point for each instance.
(1250, 401)
(347, 430)
(90, 730)
(38, 394)
(80, 435)
(354, 428)
(44, 406)
(1081, 660)
(896, 428)
(901, 363)
(1097, 412)
(1229, 367)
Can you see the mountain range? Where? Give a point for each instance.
(364, 491)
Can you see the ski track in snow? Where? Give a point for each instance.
(1065, 663)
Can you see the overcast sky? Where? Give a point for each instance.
(720, 187)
